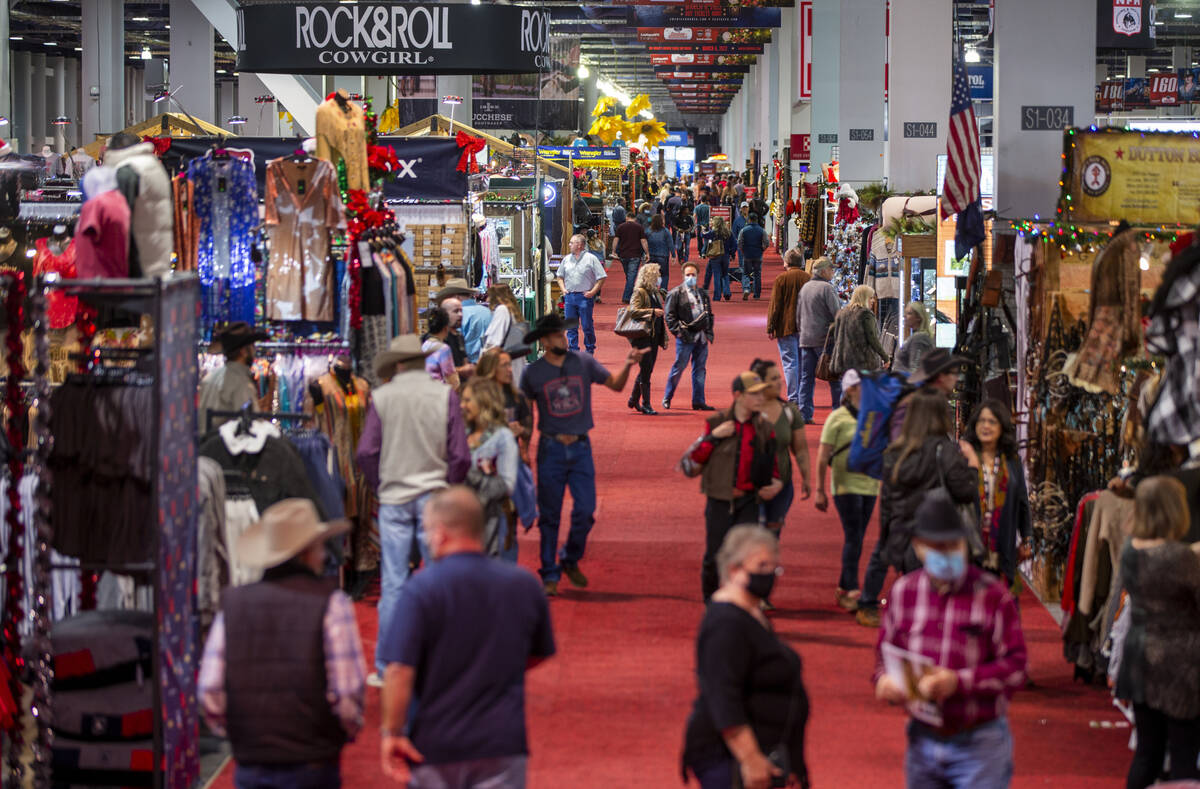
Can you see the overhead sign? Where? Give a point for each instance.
(801, 147)
(727, 4)
(591, 156)
(1047, 118)
(979, 78)
(1125, 24)
(690, 68)
(676, 139)
(710, 49)
(703, 35)
(392, 38)
(709, 16)
(1145, 178)
(699, 76)
(694, 59)
(1167, 89)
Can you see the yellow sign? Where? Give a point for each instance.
(1145, 178)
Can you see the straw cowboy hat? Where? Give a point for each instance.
(454, 287)
(401, 349)
(287, 528)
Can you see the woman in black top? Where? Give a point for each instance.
(749, 717)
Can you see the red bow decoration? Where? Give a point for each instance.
(161, 144)
(382, 158)
(470, 146)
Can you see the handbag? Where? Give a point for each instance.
(514, 337)
(714, 248)
(970, 516)
(629, 327)
(825, 362)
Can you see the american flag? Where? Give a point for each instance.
(960, 195)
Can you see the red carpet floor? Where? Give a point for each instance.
(608, 711)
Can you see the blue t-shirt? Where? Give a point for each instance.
(563, 394)
(752, 241)
(660, 243)
(702, 213)
(468, 626)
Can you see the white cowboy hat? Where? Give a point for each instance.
(401, 349)
(286, 529)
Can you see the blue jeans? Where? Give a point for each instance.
(700, 230)
(683, 247)
(873, 578)
(854, 511)
(776, 510)
(631, 266)
(718, 775)
(399, 525)
(808, 380)
(717, 272)
(697, 354)
(980, 758)
(561, 466)
(789, 362)
(502, 772)
(288, 776)
(576, 305)
(664, 266)
(752, 276)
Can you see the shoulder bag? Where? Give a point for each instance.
(825, 362)
(970, 516)
(629, 327)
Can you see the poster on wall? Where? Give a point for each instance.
(725, 15)
(391, 38)
(1145, 178)
(549, 100)
(1125, 24)
(703, 35)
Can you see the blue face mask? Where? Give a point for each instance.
(690, 280)
(947, 567)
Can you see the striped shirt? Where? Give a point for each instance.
(973, 630)
(344, 674)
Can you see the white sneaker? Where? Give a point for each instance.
(374, 680)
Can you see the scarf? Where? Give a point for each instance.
(993, 489)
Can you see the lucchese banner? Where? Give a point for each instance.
(1145, 178)
(392, 38)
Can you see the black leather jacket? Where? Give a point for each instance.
(680, 320)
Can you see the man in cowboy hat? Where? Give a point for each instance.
(282, 672)
(230, 387)
(473, 317)
(561, 384)
(413, 444)
(939, 371)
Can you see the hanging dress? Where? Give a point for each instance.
(60, 308)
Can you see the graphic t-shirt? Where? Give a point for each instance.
(563, 394)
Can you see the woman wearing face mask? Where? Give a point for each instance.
(789, 439)
(854, 494)
(914, 465)
(752, 703)
(495, 460)
(1003, 495)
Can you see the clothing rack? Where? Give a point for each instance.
(252, 415)
(305, 346)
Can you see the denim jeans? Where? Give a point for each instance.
(576, 305)
(717, 272)
(502, 772)
(789, 363)
(697, 354)
(718, 775)
(561, 466)
(683, 247)
(752, 276)
(664, 266)
(631, 266)
(808, 380)
(854, 511)
(288, 776)
(399, 526)
(776, 510)
(980, 758)
(873, 578)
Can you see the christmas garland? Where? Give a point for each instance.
(14, 660)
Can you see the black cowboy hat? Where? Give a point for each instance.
(937, 519)
(934, 363)
(548, 324)
(233, 336)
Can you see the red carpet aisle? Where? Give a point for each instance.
(609, 710)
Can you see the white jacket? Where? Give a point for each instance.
(152, 222)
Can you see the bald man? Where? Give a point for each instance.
(467, 627)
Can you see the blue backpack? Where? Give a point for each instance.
(880, 391)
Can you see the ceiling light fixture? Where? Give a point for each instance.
(1182, 15)
(971, 55)
(16, 38)
(139, 19)
(235, 120)
(146, 55)
(583, 72)
(61, 120)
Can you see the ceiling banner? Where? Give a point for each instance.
(706, 49)
(392, 38)
(691, 59)
(804, 62)
(548, 100)
(676, 15)
(703, 35)
(693, 68)
(729, 6)
(1125, 24)
(693, 85)
(700, 76)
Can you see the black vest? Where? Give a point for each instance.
(275, 670)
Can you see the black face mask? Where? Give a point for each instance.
(557, 351)
(761, 584)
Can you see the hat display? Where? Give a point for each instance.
(400, 349)
(548, 324)
(850, 378)
(934, 363)
(749, 383)
(937, 518)
(286, 529)
(454, 287)
(235, 335)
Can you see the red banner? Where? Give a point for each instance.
(1164, 89)
(801, 147)
(1111, 95)
(692, 59)
(704, 35)
(708, 49)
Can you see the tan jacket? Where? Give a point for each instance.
(642, 308)
(781, 311)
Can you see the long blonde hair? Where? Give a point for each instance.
(918, 309)
(861, 297)
(649, 275)
(719, 227)
(501, 293)
(487, 394)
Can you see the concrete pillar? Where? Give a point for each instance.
(227, 105)
(826, 70)
(1181, 57)
(154, 77)
(103, 26)
(860, 91)
(1135, 66)
(457, 85)
(1044, 57)
(262, 120)
(192, 68)
(786, 70)
(919, 91)
(7, 83)
(71, 75)
(60, 101)
(38, 121)
(22, 108)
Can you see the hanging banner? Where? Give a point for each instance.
(1125, 24)
(1146, 178)
(804, 62)
(729, 6)
(708, 49)
(699, 69)
(686, 85)
(692, 59)
(548, 100)
(1189, 85)
(703, 35)
(1110, 95)
(801, 147)
(980, 80)
(392, 38)
(591, 156)
(1164, 89)
(699, 76)
(709, 16)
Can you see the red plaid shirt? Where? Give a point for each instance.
(973, 630)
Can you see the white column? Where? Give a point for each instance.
(192, 66)
(227, 105)
(154, 78)
(22, 108)
(6, 73)
(72, 76)
(919, 85)
(826, 65)
(58, 63)
(458, 85)
(262, 120)
(103, 28)
(860, 89)
(786, 71)
(1044, 57)
(38, 121)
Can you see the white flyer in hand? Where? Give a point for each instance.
(906, 669)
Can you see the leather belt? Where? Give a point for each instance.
(567, 439)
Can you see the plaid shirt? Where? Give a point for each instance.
(345, 676)
(974, 630)
(1173, 332)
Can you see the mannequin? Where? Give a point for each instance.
(56, 255)
(143, 181)
(341, 136)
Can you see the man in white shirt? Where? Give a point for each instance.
(580, 275)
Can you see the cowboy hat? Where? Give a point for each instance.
(548, 324)
(454, 287)
(934, 363)
(286, 529)
(749, 383)
(232, 336)
(400, 349)
(937, 519)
